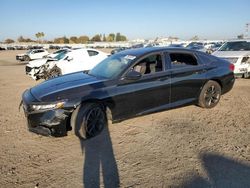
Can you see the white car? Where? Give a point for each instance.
(64, 63)
(238, 53)
(32, 54)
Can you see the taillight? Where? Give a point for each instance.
(231, 67)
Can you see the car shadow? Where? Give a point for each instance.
(99, 162)
(222, 172)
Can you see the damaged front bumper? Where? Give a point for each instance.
(49, 123)
(52, 122)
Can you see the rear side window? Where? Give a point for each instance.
(92, 52)
(182, 59)
(39, 51)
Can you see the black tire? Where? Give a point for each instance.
(210, 95)
(88, 120)
(26, 58)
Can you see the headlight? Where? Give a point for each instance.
(39, 107)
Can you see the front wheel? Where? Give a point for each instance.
(55, 72)
(210, 95)
(88, 120)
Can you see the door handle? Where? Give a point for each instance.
(164, 78)
(200, 72)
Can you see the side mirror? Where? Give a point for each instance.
(133, 75)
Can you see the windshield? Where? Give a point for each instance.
(112, 66)
(236, 46)
(61, 55)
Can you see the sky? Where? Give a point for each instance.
(148, 19)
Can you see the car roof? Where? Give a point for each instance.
(142, 51)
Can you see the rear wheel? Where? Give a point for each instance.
(210, 94)
(26, 58)
(88, 120)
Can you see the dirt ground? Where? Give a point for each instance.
(185, 147)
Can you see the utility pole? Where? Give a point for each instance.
(247, 26)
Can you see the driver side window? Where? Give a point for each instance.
(149, 65)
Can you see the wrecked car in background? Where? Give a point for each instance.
(238, 53)
(32, 54)
(66, 62)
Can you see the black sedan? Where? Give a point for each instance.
(127, 84)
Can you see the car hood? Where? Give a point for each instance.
(231, 53)
(68, 86)
(37, 62)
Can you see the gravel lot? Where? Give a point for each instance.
(185, 147)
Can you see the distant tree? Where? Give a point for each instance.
(39, 35)
(83, 39)
(96, 38)
(118, 37)
(48, 42)
(42, 35)
(104, 38)
(61, 40)
(111, 37)
(57, 40)
(9, 41)
(123, 38)
(28, 40)
(65, 40)
(240, 36)
(20, 39)
(74, 39)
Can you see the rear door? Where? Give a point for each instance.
(188, 75)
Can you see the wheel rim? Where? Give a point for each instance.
(212, 95)
(94, 122)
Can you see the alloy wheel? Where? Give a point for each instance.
(94, 121)
(212, 95)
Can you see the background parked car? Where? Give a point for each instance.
(176, 46)
(67, 61)
(238, 53)
(32, 54)
(116, 50)
(199, 46)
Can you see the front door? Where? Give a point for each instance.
(149, 92)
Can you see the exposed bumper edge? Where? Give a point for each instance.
(40, 130)
(49, 123)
